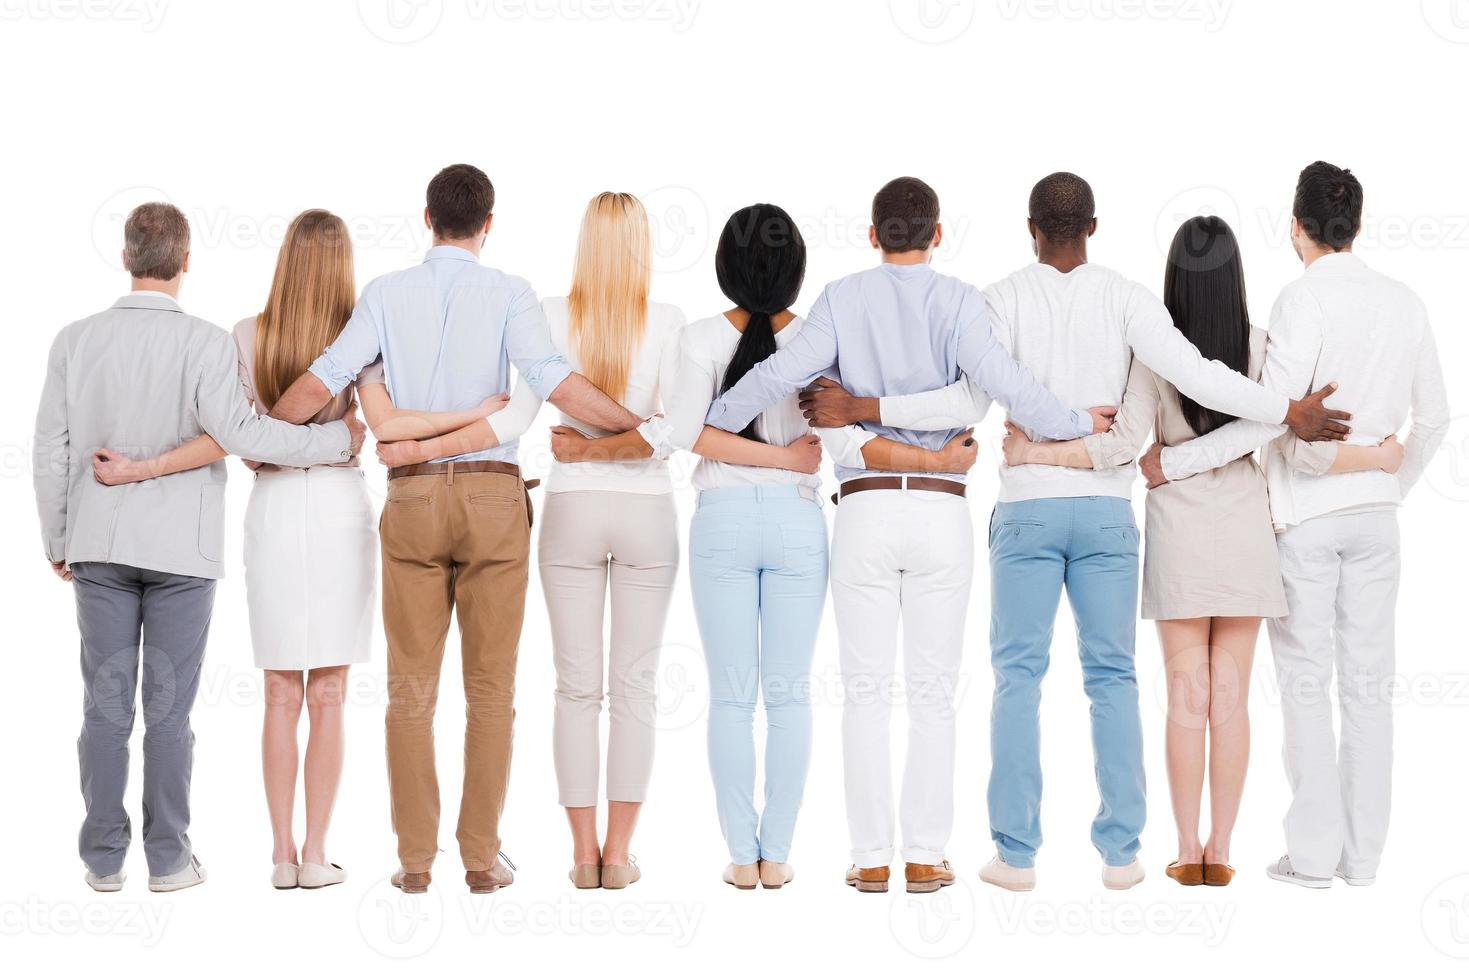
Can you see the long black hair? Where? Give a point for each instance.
(760, 262)
(1204, 290)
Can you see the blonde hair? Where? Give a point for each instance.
(310, 301)
(608, 302)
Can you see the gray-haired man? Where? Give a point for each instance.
(143, 376)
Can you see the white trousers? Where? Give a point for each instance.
(1341, 584)
(900, 557)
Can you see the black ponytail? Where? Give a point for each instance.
(760, 263)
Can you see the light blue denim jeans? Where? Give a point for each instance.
(1089, 545)
(757, 564)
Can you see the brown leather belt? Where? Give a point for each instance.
(898, 483)
(451, 469)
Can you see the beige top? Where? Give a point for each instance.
(244, 334)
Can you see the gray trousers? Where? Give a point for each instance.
(132, 619)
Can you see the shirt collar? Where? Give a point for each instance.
(1333, 263)
(147, 299)
(450, 252)
(907, 270)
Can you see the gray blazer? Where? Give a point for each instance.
(143, 377)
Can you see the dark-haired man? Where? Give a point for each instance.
(1076, 326)
(1338, 533)
(902, 551)
(455, 531)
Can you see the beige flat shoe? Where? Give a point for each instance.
(285, 875)
(742, 876)
(616, 876)
(586, 876)
(775, 874)
(320, 875)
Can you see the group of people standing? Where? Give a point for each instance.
(888, 373)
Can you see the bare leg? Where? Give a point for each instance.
(583, 821)
(622, 820)
(1186, 661)
(326, 690)
(1231, 656)
(283, 694)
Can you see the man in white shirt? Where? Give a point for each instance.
(1076, 326)
(1343, 322)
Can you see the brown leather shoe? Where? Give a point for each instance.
(1218, 875)
(1186, 874)
(410, 882)
(492, 879)
(928, 877)
(868, 879)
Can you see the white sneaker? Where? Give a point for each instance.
(106, 883)
(1122, 878)
(1005, 876)
(321, 875)
(285, 875)
(192, 874)
(1282, 871)
(1356, 881)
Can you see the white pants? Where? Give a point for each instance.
(1341, 583)
(900, 555)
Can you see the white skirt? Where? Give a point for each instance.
(310, 568)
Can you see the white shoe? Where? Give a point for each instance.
(1002, 875)
(1282, 871)
(1356, 881)
(321, 875)
(285, 875)
(1122, 878)
(192, 874)
(106, 883)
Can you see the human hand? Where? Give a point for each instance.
(827, 405)
(62, 572)
(404, 453)
(112, 468)
(355, 429)
(1392, 454)
(568, 445)
(1017, 445)
(959, 453)
(804, 454)
(1151, 463)
(493, 404)
(1102, 418)
(1312, 421)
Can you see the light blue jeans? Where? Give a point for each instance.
(757, 564)
(1089, 545)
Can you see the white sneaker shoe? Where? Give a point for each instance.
(106, 883)
(285, 875)
(1005, 876)
(1282, 871)
(1124, 877)
(192, 874)
(1356, 881)
(321, 875)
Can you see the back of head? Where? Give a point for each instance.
(460, 199)
(155, 241)
(608, 302)
(760, 263)
(1328, 205)
(1204, 290)
(310, 301)
(905, 215)
(1062, 207)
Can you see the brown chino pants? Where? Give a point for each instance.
(452, 542)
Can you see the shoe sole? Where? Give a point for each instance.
(1316, 883)
(317, 888)
(743, 888)
(872, 887)
(1358, 882)
(1121, 887)
(486, 889)
(164, 889)
(285, 888)
(411, 889)
(106, 888)
(1009, 886)
(927, 887)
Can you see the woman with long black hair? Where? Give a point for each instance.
(1211, 571)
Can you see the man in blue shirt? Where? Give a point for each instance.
(903, 547)
(455, 531)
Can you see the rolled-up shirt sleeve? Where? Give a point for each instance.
(793, 367)
(529, 346)
(357, 346)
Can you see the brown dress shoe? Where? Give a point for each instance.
(492, 879)
(928, 877)
(410, 882)
(868, 879)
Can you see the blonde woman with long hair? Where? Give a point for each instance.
(310, 538)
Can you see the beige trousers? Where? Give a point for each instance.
(593, 543)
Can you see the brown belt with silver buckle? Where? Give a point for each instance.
(451, 469)
(898, 483)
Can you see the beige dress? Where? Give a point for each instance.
(1210, 546)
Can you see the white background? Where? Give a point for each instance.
(244, 114)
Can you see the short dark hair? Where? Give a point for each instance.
(1062, 206)
(460, 198)
(905, 214)
(1328, 205)
(155, 241)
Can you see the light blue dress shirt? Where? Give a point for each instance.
(447, 331)
(899, 329)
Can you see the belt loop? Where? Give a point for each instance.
(451, 472)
